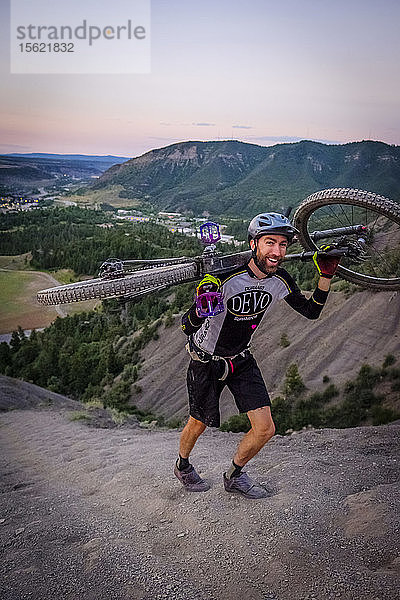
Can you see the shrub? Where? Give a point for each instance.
(367, 377)
(46, 402)
(284, 342)
(382, 415)
(282, 414)
(169, 320)
(293, 385)
(118, 396)
(330, 392)
(344, 286)
(54, 384)
(92, 393)
(119, 417)
(129, 373)
(389, 360)
(306, 413)
(174, 423)
(79, 415)
(94, 403)
(236, 423)
(394, 373)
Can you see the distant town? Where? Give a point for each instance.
(16, 204)
(175, 222)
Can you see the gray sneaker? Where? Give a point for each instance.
(191, 480)
(245, 486)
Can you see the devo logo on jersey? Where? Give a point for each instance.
(249, 303)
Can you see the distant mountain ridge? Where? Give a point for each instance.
(22, 172)
(235, 178)
(91, 157)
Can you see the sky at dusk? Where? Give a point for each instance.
(258, 71)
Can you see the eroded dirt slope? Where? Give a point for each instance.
(361, 329)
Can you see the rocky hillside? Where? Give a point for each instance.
(363, 328)
(235, 178)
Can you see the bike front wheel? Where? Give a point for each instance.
(378, 267)
(136, 284)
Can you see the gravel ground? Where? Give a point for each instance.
(97, 514)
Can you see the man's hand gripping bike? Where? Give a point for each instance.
(364, 228)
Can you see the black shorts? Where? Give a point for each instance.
(204, 388)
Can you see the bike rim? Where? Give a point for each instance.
(380, 264)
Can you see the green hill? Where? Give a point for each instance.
(234, 178)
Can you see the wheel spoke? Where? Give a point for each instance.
(382, 257)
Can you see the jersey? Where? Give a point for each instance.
(247, 299)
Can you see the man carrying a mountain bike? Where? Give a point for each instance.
(219, 347)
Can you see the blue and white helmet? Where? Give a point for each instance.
(273, 223)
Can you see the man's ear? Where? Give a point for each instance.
(252, 245)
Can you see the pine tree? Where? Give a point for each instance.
(293, 385)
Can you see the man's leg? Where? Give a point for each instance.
(203, 392)
(262, 430)
(183, 470)
(189, 436)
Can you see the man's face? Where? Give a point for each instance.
(271, 250)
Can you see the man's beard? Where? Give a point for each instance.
(261, 263)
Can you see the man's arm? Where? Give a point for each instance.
(324, 284)
(310, 308)
(191, 322)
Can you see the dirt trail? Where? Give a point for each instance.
(98, 514)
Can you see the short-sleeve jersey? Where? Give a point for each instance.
(246, 300)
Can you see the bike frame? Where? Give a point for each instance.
(213, 262)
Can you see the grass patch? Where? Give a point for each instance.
(18, 305)
(20, 262)
(79, 415)
(64, 276)
(75, 308)
(12, 286)
(94, 404)
(119, 417)
(108, 195)
(46, 403)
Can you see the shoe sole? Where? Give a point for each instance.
(194, 491)
(245, 495)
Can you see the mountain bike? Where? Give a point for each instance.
(362, 227)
